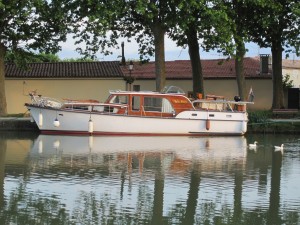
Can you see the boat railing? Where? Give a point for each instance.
(221, 105)
(41, 101)
(97, 107)
(157, 111)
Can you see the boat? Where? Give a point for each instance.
(169, 113)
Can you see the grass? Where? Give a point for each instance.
(259, 116)
(260, 122)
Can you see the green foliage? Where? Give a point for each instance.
(274, 21)
(275, 24)
(259, 117)
(286, 82)
(27, 27)
(33, 25)
(203, 16)
(42, 58)
(31, 58)
(78, 60)
(129, 79)
(105, 22)
(96, 26)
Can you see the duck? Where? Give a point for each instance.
(279, 148)
(253, 146)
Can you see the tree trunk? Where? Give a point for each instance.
(239, 70)
(195, 61)
(238, 28)
(3, 107)
(159, 43)
(276, 50)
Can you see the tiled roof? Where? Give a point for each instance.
(290, 64)
(212, 68)
(66, 70)
(179, 69)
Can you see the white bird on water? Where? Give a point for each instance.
(253, 146)
(279, 148)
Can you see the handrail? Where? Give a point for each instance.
(105, 107)
(96, 104)
(45, 101)
(221, 101)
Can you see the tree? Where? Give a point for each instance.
(194, 52)
(150, 18)
(200, 21)
(237, 11)
(34, 58)
(27, 27)
(100, 23)
(187, 29)
(275, 24)
(230, 35)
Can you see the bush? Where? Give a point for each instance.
(259, 117)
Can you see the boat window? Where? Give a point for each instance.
(119, 99)
(136, 102)
(157, 104)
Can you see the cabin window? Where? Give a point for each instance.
(157, 104)
(136, 102)
(119, 99)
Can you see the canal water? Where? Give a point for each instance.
(148, 180)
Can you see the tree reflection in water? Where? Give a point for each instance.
(2, 171)
(148, 174)
(30, 208)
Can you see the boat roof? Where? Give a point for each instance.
(168, 90)
(153, 93)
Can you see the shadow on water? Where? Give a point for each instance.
(142, 180)
(18, 135)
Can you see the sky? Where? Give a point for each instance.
(172, 52)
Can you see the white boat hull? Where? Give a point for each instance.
(186, 123)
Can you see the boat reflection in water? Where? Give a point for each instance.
(150, 180)
(189, 148)
(145, 176)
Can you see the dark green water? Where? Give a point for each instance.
(149, 180)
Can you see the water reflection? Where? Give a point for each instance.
(145, 180)
(2, 169)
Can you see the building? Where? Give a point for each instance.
(69, 80)
(93, 80)
(292, 68)
(219, 78)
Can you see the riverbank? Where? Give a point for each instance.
(17, 124)
(286, 126)
(276, 126)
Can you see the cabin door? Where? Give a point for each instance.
(135, 106)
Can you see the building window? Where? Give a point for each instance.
(136, 87)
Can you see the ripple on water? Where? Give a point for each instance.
(211, 180)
